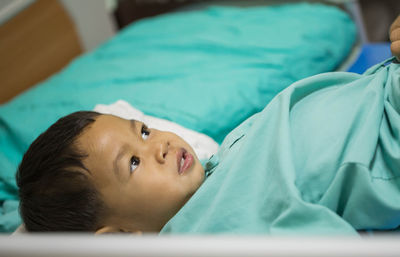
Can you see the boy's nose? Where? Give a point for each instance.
(161, 151)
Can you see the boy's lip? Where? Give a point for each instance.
(184, 160)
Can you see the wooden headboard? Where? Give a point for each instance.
(34, 44)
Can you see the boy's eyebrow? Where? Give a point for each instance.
(122, 152)
(133, 125)
(117, 159)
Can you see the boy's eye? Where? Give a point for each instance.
(135, 161)
(145, 132)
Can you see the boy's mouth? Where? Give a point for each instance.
(184, 161)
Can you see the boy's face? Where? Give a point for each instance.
(143, 175)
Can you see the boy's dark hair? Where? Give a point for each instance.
(55, 194)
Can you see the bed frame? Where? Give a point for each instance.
(69, 245)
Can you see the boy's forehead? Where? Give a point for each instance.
(103, 124)
(100, 143)
(107, 135)
(112, 121)
(99, 134)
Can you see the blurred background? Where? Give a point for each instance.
(377, 15)
(97, 20)
(69, 28)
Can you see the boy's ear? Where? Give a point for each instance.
(107, 230)
(115, 230)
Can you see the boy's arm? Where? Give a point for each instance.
(394, 34)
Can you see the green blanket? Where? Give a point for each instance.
(207, 70)
(323, 157)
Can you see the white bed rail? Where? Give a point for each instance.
(57, 245)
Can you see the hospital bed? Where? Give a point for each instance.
(229, 63)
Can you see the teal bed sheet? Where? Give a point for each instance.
(207, 70)
(322, 158)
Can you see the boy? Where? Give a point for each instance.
(320, 158)
(134, 166)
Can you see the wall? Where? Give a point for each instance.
(94, 22)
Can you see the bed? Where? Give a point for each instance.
(208, 75)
